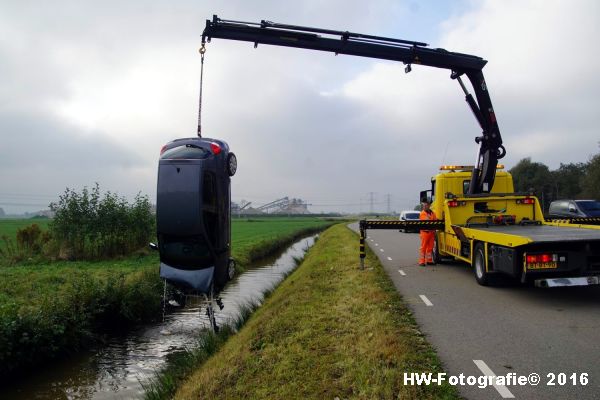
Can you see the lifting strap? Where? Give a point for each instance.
(202, 51)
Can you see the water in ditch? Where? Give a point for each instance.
(119, 369)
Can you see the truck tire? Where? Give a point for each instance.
(481, 275)
(437, 259)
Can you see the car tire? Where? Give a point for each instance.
(482, 277)
(231, 164)
(231, 269)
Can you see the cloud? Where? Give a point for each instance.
(101, 87)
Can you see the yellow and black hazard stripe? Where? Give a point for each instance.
(395, 224)
(362, 244)
(581, 221)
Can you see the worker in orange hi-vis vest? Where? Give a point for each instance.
(427, 236)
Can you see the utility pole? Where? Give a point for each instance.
(388, 198)
(371, 194)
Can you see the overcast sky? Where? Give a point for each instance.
(90, 91)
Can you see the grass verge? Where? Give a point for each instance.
(329, 330)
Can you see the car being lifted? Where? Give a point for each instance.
(193, 224)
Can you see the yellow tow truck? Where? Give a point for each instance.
(505, 233)
(482, 221)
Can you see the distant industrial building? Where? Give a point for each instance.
(284, 205)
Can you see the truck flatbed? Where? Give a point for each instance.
(543, 233)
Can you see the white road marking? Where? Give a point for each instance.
(503, 390)
(426, 300)
(376, 244)
(380, 249)
(402, 272)
(389, 258)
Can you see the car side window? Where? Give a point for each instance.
(572, 207)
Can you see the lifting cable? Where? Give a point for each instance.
(202, 51)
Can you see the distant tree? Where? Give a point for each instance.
(590, 183)
(2, 214)
(533, 176)
(568, 179)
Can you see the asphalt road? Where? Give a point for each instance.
(481, 331)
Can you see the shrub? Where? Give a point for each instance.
(63, 323)
(90, 226)
(30, 243)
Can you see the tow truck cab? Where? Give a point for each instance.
(455, 180)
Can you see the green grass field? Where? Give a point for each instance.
(48, 307)
(31, 284)
(9, 227)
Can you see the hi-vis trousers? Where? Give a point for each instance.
(426, 250)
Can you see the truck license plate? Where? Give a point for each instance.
(543, 265)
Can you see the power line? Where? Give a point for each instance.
(388, 197)
(2, 203)
(371, 194)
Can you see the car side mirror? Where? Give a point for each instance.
(153, 246)
(572, 210)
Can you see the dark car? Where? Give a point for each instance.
(193, 205)
(574, 209)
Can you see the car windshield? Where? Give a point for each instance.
(589, 205)
(188, 151)
(411, 215)
(186, 252)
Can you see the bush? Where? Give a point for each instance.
(31, 241)
(90, 226)
(65, 322)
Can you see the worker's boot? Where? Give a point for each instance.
(430, 259)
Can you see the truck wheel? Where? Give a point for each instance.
(437, 259)
(482, 277)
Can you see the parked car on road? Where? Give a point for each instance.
(409, 215)
(574, 209)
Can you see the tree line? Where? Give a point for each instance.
(569, 181)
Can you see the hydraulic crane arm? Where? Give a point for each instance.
(405, 51)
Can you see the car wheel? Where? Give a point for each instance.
(481, 275)
(231, 164)
(231, 269)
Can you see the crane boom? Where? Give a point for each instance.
(379, 47)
